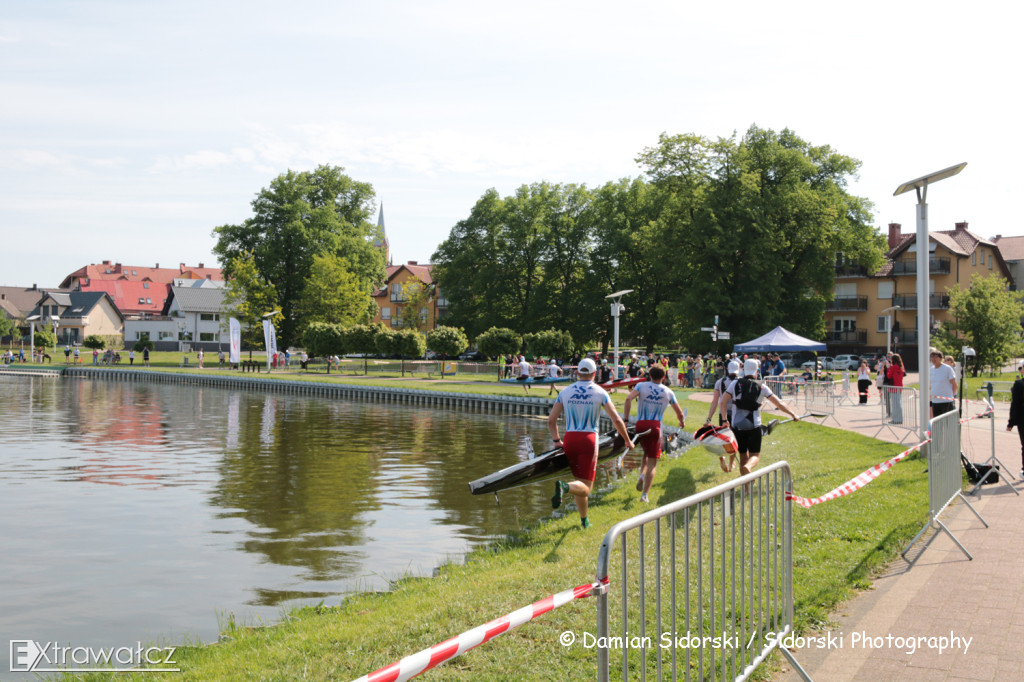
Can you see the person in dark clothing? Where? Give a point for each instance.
(1017, 411)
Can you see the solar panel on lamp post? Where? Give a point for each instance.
(616, 309)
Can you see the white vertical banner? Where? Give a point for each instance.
(235, 334)
(269, 337)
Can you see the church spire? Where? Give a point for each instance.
(381, 242)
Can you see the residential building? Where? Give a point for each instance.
(402, 283)
(191, 319)
(79, 314)
(138, 291)
(17, 302)
(1012, 250)
(858, 317)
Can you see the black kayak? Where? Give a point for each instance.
(547, 465)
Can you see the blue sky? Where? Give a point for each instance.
(129, 130)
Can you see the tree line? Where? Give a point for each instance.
(745, 228)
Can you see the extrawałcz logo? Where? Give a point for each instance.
(51, 657)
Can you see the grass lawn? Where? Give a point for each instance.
(837, 547)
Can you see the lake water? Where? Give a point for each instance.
(137, 512)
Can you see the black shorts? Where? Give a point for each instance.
(748, 441)
(941, 408)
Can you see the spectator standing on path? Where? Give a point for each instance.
(582, 403)
(145, 356)
(652, 400)
(942, 385)
(1017, 411)
(894, 374)
(747, 396)
(525, 370)
(863, 382)
(131, 357)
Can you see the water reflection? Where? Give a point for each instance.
(208, 500)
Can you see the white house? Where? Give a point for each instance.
(191, 319)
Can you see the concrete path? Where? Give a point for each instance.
(936, 597)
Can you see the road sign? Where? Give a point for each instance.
(723, 335)
(707, 329)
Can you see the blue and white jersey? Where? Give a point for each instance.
(582, 404)
(653, 400)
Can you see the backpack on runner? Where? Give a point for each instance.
(748, 390)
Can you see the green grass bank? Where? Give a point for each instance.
(837, 548)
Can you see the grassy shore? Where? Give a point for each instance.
(837, 547)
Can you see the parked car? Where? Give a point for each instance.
(841, 362)
(827, 362)
(473, 356)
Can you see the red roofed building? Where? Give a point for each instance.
(137, 291)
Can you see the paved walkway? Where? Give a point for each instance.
(936, 592)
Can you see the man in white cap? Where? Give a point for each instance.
(582, 403)
(746, 395)
(721, 386)
(525, 370)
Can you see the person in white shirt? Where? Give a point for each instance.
(942, 385)
(747, 396)
(525, 369)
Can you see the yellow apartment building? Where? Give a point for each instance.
(403, 283)
(864, 305)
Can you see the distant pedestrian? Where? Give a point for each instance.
(525, 370)
(894, 374)
(942, 385)
(131, 357)
(863, 382)
(1017, 411)
(145, 356)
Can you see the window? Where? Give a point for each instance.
(143, 336)
(396, 293)
(145, 285)
(166, 335)
(149, 301)
(974, 257)
(209, 317)
(207, 336)
(990, 261)
(883, 323)
(885, 290)
(845, 324)
(141, 300)
(385, 313)
(134, 273)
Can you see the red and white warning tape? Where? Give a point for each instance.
(856, 483)
(413, 665)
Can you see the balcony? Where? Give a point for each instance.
(847, 270)
(909, 301)
(847, 303)
(936, 266)
(904, 337)
(850, 336)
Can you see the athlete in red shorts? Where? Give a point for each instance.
(653, 398)
(582, 403)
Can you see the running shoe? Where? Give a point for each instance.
(643, 498)
(640, 483)
(585, 522)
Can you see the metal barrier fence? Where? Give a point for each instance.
(784, 387)
(820, 398)
(899, 409)
(704, 588)
(944, 475)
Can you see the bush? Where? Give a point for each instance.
(449, 341)
(142, 344)
(44, 338)
(93, 341)
(499, 341)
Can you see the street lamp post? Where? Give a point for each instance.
(55, 321)
(31, 319)
(965, 352)
(888, 330)
(617, 309)
(920, 185)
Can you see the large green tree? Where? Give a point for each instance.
(759, 222)
(248, 297)
(986, 316)
(334, 293)
(298, 216)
